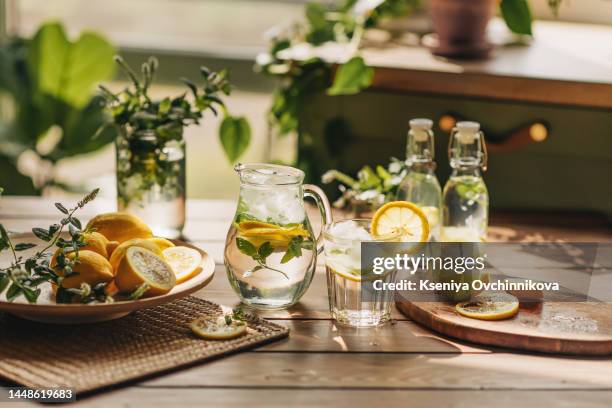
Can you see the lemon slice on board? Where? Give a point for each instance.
(489, 306)
(403, 218)
(140, 266)
(185, 262)
(217, 328)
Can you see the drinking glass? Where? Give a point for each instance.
(345, 276)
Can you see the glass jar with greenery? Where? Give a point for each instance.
(151, 149)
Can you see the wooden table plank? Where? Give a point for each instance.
(240, 398)
(499, 371)
(313, 305)
(397, 337)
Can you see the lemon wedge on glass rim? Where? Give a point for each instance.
(403, 219)
(489, 306)
(184, 261)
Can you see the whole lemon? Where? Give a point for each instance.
(90, 267)
(120, 251)
(94, 241)
(119, 226)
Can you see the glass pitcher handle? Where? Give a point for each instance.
(314, 192)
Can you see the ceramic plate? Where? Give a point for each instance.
(47, 311)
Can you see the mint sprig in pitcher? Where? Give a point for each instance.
(271, 251)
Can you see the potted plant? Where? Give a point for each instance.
(150, 145)
(460, 25)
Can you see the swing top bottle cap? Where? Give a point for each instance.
(421, 124)
(467, 126)
(467, 131)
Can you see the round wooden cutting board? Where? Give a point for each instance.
(579, 328)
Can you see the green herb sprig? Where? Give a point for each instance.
(371, 187)
(134, 108)
(23, 276)
(259, 255)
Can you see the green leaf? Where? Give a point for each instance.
(42, 234)
(351, 78)
(60, 207)
(4, 238)
(294, 249)
(246, 247)
(235, 135)
(76, 223)
(4, 282)
(517, 15)
(13, 292)
(69, 70)
(315, 14)
(22, 246)
(30, 294)
(368, 178)
(264, 251)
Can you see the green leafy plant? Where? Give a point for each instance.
(53, 112)
(517, 14)
(371, 188)
(133, 109)
(148, 128)
(321, 55)
(23, 276)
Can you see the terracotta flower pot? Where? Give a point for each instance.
(461, 26)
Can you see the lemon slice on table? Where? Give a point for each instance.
(185, 262)
(489, 306)
(217, 328)
(140, 266)
(403, 218)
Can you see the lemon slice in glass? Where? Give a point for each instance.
(217, 328)
(185, 262)
(403, 219)
(489, 306)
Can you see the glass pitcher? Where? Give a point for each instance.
(271, 251)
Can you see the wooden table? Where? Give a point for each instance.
(399, 364)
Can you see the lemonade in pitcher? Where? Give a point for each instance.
(271, 251)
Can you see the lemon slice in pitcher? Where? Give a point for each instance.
(403, 219)
(489, 306)
(210, 328)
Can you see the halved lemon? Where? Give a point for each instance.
(489, 306)
(140, 266)
(403, 218)
(185, 262)
(162, 243)
(210, 328)
(119, 252)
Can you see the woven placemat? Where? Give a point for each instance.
(93, 356)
